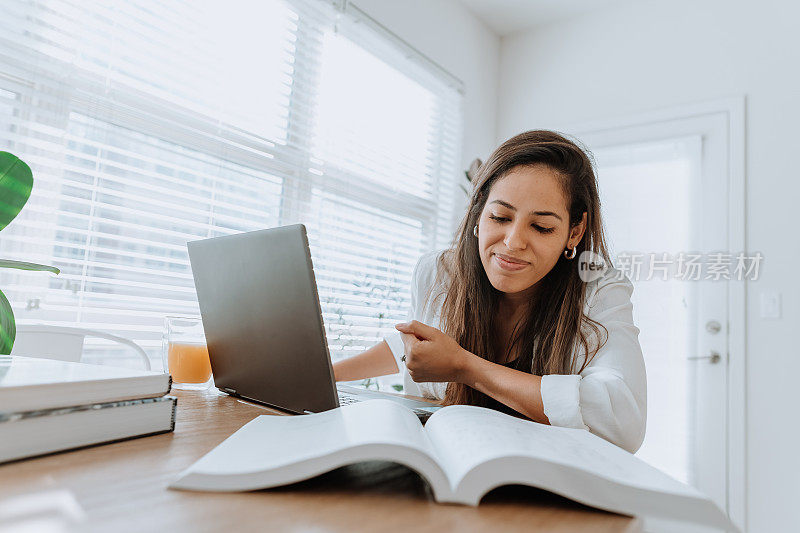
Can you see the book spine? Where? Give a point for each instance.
(174, 411)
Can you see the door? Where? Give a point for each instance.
(664, 192)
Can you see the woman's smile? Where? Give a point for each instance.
(509, 263)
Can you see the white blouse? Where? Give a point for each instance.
(609, 398)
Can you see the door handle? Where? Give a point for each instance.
(714, 358)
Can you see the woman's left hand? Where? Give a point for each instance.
(432, 355)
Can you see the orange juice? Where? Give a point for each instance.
(188, 363)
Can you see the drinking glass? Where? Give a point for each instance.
(184, 353)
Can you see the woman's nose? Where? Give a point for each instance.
(514, 238)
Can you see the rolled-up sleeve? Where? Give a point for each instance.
(609, 398)
(395, 342)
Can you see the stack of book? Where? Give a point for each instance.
(49, 406)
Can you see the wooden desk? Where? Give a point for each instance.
(122, 487)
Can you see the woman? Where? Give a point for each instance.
(520, 331)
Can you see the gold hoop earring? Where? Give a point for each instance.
(475, 230)
(572, 254)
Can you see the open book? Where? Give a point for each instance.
(463, 452)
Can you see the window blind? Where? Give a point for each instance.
(150, 124)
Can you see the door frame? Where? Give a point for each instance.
(733, 109)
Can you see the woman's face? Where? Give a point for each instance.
(524, 228)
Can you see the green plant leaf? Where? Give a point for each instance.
(8, 329)
(22, 265)
(16, 183)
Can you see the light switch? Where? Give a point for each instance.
(770, 304)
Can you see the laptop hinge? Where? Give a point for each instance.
(232, 392)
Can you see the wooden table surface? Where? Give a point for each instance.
(123, 487)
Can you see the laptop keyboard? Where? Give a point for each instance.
(346, 399)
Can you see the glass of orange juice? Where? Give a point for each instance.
(184, 353)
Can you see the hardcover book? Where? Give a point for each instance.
(32, 433)
(31, 384)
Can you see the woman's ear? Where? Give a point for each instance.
(576, 233)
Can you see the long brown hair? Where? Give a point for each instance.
(546, 336)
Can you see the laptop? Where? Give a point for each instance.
(263, 323)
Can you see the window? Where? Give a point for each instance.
(148, 125)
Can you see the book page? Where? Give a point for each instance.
(467, 436)
(270, 442)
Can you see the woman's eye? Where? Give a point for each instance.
(538, 228)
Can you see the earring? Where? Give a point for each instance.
(475, 230)
(572, 255)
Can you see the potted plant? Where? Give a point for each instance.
(16, 183)
(470, 174)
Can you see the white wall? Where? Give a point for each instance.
(648, 55)
(449, 34)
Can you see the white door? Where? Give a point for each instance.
(665, 198)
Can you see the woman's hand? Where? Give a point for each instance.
(432, 355)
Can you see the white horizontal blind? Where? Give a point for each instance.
(149, 124)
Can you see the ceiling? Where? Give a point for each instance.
(508, 16)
